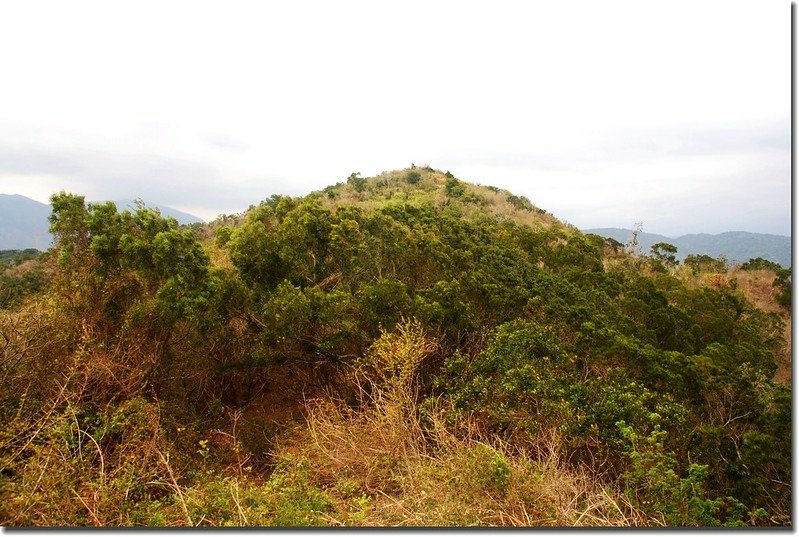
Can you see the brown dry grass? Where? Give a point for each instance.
(757, 287)
(63, 475)
(218, 256)
(406, 466)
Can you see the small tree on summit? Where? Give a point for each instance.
(665, 253)
(69, 219)
(357, 182)
(454, 188)
(413, 177)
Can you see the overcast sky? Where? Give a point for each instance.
(604, 113)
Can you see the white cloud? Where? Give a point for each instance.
(286, 97)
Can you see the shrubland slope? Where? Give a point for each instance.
(406, 349)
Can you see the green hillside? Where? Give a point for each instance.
(407, 349)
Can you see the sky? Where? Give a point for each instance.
(675, 114)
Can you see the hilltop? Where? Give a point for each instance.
(426, 186)
(405, 349)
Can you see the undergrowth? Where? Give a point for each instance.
(381, 460)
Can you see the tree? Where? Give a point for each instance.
(665, 253)
(357, 182)
(520, 202)
(705, 263)
(413, 177)
(783, 284)
(454, 188)
(759, 263)
(633, 247)
(69, 225)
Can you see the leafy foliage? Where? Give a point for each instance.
(704, 263)
(665, 253)
(399, 294)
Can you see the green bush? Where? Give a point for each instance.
(413, 177)
(357, 182)
(454, 188)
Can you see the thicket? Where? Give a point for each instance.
(444, 362)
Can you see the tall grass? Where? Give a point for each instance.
(379, 459)
(405, 465)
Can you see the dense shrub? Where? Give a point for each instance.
(448, 354)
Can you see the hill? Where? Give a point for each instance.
(23, 221)
(736, 246)
(406, 349)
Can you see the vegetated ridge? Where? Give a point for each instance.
(406, 349)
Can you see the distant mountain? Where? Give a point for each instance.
(180, 216)
(645, 240)
(23, 221)
(736, 246)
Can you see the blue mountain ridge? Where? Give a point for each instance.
(23, 221)
(736, 246)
